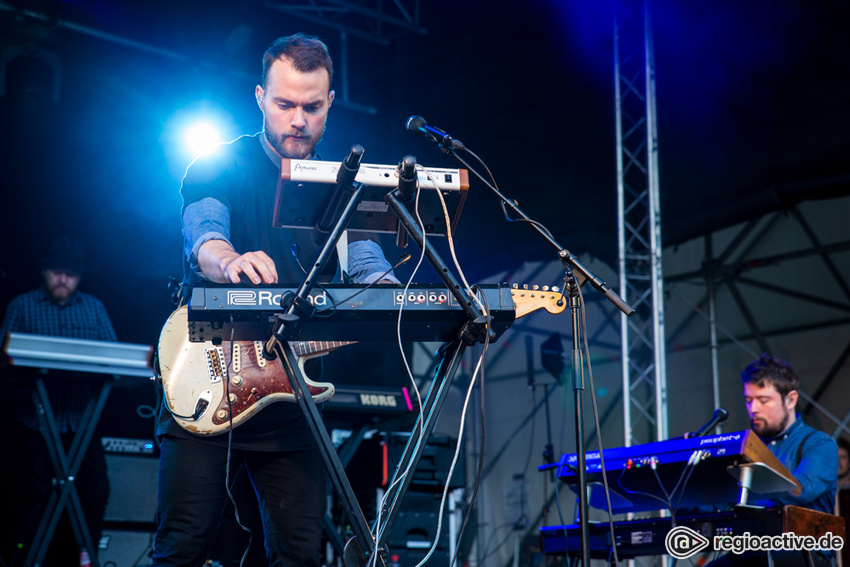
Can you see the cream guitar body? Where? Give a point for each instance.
(209, 388)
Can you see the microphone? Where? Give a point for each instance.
(344, 181)
(418, 126)
(720, 415)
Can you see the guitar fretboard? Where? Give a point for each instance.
(305, 348)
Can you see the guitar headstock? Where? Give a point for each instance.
(527, 300)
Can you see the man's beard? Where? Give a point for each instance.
(60, 293)
(296, 148)
(767, 431)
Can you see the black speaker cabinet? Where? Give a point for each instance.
(434, 464)
(415, 526)
(133, 482)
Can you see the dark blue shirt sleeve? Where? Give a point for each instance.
(817, 471)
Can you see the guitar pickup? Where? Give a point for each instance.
(236, 358)
(258, 350)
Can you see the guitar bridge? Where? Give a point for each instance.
(216, 366)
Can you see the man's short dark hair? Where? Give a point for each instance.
(767, 369)
(844, 444)
(307, 53)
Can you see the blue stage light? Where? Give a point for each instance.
(202, 137)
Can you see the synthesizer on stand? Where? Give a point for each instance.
(370, 399)
(305, 187)
(428, 313)
(714, 465)
(78, 355)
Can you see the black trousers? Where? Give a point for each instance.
(290, 487)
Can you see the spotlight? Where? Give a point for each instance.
(202, 137)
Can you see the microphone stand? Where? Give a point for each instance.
(571, 263)
(287, 326)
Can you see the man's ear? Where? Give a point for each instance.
(791, 399)
(330, 98)
(259, 93)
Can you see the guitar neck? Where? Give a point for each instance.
(306, 348)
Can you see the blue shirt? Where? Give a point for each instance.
(83, 316)
(812, 457)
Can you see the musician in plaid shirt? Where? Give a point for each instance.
(56, 308)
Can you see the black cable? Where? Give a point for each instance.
(495, 185)
(586, 345)
(403, 259)
(294, 250)
(685, 483)
(230, 496)
(630, 491)
(667, 495)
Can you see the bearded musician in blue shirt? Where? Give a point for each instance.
(771, 391)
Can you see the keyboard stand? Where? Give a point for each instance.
(111, 359)
(65, 466)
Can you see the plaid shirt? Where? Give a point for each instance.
(83, 316)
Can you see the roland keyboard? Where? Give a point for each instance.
(428, 313)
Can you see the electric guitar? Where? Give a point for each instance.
(210, 388)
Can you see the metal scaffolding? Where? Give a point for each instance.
(740, 282)
(639, 226)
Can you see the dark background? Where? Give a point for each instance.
(751, 96)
